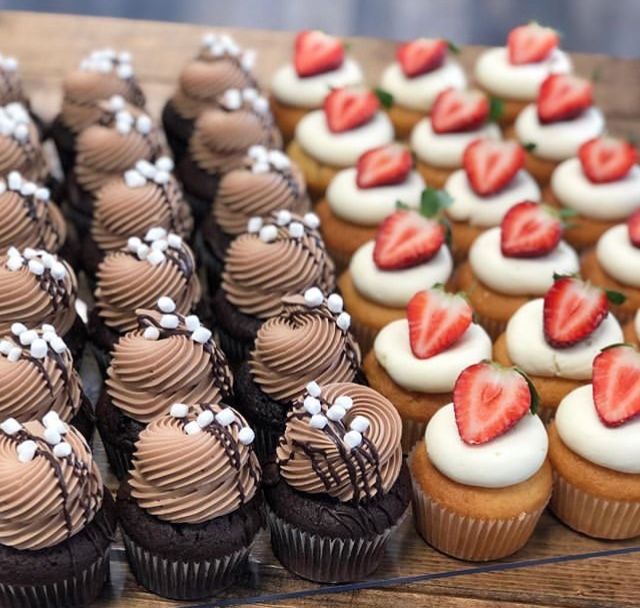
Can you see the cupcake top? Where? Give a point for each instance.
(143, 197)
(20, 147)
(319, 65)
(65, 486)
(219, 65)
(195, 464)
(168, 358)
(349, 124)
(267, 181)
(341, 439)
(37, 375)
(517, 70)
(38, 288)
(10, 82)
(308, 341)
(278, 255)
(30, 218)
(100, 75)
(618, 252)
(135, 277)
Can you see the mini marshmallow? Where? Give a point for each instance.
(143, 251)
(124, 57)
(279, 160)
(14, 180)
(12, 251)
(225, 417)
(5, 347)
(260, 167)
(313, 388)
(62, 450)
(124, 71)
(254, 224)
(47, 336)
(344, 401)
(125, 117)
(335, 303)
(283, 217)
(336, 413)
(28, 189)
(153, 234)
(318, 421)
(10, 426)
(311, 220)
(47, 327)
(268, 233)
(344, 321)
(246, 435)
(21, 132)
(192, 322)
(10, 64)
(116, 103)
(260, 105)
(36, 267)
(179, 410)
(162, 177)
(311, 405)
(27, 337)
(166, 304)
(201, 335)
(27, 450)
(248, 60)
(58, 271)
(156, 257)
(15, 263)
(160, 245)
(18, 328)
(42, 194)
(134, 179)
(151, 333)
(174, 240)
(14, 354)
(38, 348)
(205, 418)
(146, 168)
(313, 297)
(47, 259)
(123, 127)
(258, 152)
(51, 420)
(296, 230)
(231, 99)
(29, 253)
(164, 163)
(58, 344)
(352, 439)
(169, 321)
(360, 424)
(192, 428)
(249, 94)
(209, 38)
(51, 436)
(133, 243)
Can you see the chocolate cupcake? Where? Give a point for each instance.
(308, 341)
(100, 75)
(167, 359)
(339, 486)
(57, 521)
(191, 506)
(219, 65)
(282, 254)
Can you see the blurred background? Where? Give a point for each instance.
(596, 26)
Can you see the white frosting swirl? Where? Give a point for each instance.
(618, 257)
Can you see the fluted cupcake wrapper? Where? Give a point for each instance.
(412, 432)
(265, 443)
(340, 259)
(493, 327)
(364, 335)
(593, 515)
(119, 460)
(623, 316)
(235, 350)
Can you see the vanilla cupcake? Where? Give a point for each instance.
(632, 331)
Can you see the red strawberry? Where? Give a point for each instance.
(347, 109)
(436, 321)
(406, 238)
(563, 97)
(488, 400)
(529, 230)
(616, 384)
(531, 43)
(455, 111)
(573, 310)
(383, 166)
(316, 52)
(633, 224)
(491, 165)
(420, 56)
(606, 159)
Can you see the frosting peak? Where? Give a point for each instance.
(20, 148)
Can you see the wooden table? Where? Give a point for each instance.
(558, 567)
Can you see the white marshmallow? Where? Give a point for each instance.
(205, 418)
(155, 257)
(246, 435)
(192, 428)
(58, 271)
(162, 177)
(28, 337)
(166, 304)
(318, 421)
(311, 220)
(191, 322)
(164, 163)
(344, 401)
(5, 347)
(18, 328)
(62, 450)
(335, 303)
(254, 224)
(225, 417)
(352, 439)
(179, 410)
(360, 424)
(336, 413)
(283, 217)
(268, 233)
(174, 240)
(311, 405)
(313, 297)
(296, 230)
(313, 388)
(27, 450)
(51, 436)
(201, 334)
(133, 243)
(10, 426)
(36, 267)
(134, 179)
(151, 333)
(169, 321)
(153, 234)
(38, 348)
(14, 354)
(344, 321)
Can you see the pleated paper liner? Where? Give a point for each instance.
(412, 432)
(119, 460)
(493, 327)
(364, 335)
(236, 350)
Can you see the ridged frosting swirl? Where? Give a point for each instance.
(20, 146)
(49, 492)
(196, 467)
(343, 440)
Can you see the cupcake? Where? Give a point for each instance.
(481, 477)
(595, 452)
(168, 358)
(554, 127)
(439, 140)
(601, 188)
(415, 361)
(319, 65)
(191, 505)
(555, 339)
(359, 198)
(492, 181)
(219, 65)
(421, 71)
(11, 89)
(57, 521)
(632, 331)
(514, 263)
(309, 341)
(339, 486)
(278, 255)
(328, 140)
(408, 254)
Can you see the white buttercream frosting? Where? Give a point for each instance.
(618, 256)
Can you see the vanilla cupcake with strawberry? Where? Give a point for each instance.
(556, 338)
(421, 70)
(415, 361)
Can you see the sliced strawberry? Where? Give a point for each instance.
(633, 224)
(421, 56)
(616, 384)
(491, 165)
(316, 52)
(488, 400)
(531, 43)
(563, 97)
(383, 166)
(606, 159)
(405, 239)
(347, 109)
(455, 111)
(529, 230)
(436, 321)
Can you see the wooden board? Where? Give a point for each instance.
(558, 567)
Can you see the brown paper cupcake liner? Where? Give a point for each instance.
(593, 515)
(235, 350)
(492, 326)
(624, 316)
(364, 335)
(119, 460)
(265, 443)
(412, 432)
(340, 259)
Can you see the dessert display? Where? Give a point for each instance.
(632, 331)
(20, 146)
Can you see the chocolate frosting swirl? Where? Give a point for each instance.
(320, 461)
(22, 155)
(49, 498)
(193, 478)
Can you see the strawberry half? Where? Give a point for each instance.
(529, 230)
(316, 52)
(405, 239)
(383, 166)
(347, 109)
(421, 56)
(491, 165)
(488, 400)
(436, 321)
(616, 384)
(563, 97)
(531, 43)
(633, 224)
(454, 111)
(606, 159)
